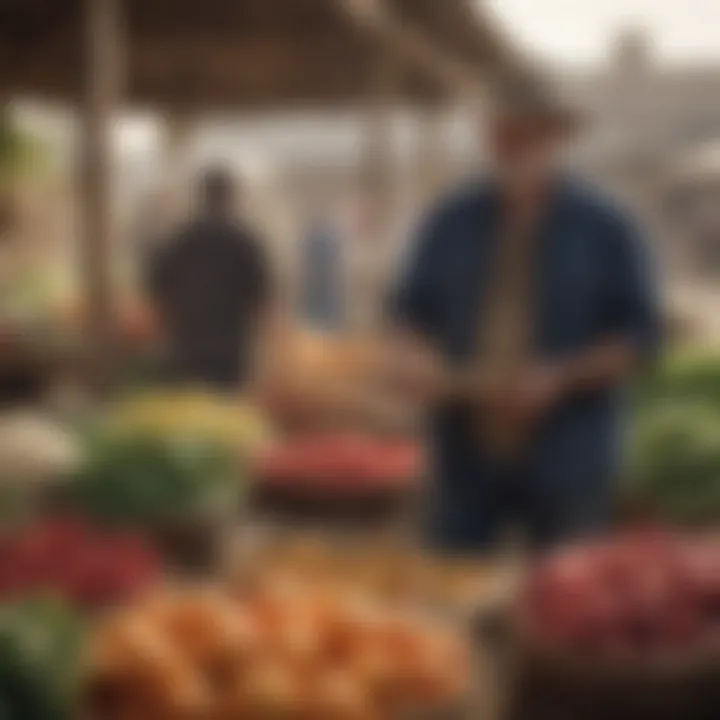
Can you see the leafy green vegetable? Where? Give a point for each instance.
(145, 480)
(40, 642)
(674, 467)
(675, 460)
(681, 376)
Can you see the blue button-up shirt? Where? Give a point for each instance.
(593, 281)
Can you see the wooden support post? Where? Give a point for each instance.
(378, 151)
(179, 132)
(414, 47)
(378, 193)
(377, 168)
(101, 96)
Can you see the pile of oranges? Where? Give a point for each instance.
(280, 651)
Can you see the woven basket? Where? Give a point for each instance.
(540, 682)
(550, 683)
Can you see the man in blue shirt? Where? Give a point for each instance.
(528, 301)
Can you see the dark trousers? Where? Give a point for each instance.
(471, 512)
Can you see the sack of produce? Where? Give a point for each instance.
(629, 628)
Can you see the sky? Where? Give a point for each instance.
(582, 30)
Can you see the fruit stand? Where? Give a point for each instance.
(345, 452)
(127, 634)
(148, 623)
(331, 623)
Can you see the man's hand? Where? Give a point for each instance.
(420, 375)
(511, 406)
(522, 399)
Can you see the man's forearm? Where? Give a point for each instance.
(606, 363)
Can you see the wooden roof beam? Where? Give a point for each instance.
(414, 46)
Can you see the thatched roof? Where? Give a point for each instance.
(245, 54)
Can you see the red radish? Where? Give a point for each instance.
(640, 593)
(67, 557)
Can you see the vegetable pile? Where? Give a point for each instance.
(643, 596)
(146, 481)
(40, 645)
(675, 466)
(34, 449)
(69, 559)
(685, 376)
(192, 416)
(342, 463)
(281, 652)
(166, 458)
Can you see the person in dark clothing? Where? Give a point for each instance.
(527, 303)
(209, 284)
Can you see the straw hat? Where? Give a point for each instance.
(522, 96)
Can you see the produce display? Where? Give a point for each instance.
(311, 357)
(34, 449)
(67, 558)
(643, 597)
(674, 468)
(675, 465)
(162, 458)
(342, 463)
(146, 481)
(324, 378)
(40, 647)
(37, 457)
(282, 651)
(687, 376)
(193, 415)
(318, 627)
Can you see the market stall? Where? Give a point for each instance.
(167, 601)
(106, 54)
(170, 596)
(141, 617)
